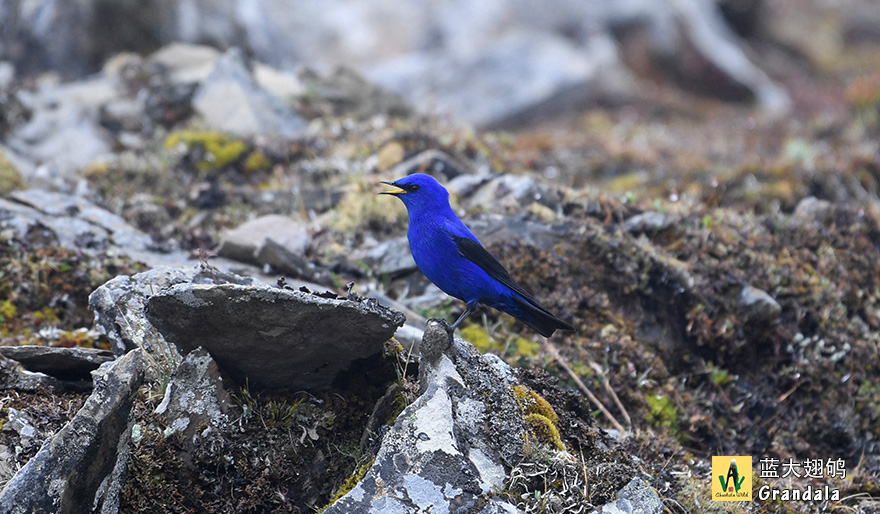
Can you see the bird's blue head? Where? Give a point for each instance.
(420, 192)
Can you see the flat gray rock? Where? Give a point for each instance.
(274, 338)
(63, 363)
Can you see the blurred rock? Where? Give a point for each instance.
(62, 363)
(63, 134)
(436, 163)
(185, 64)
(73, 222)
(489, 64)
(244, 242)
(814, 209)
(74, 38)
(504, 79)
(390, 257)
(648, 222)
(81, 468)
(345, 92)
(145, 213)
(272, 337)
(509, 191)
(121, 115)
(230, 101)
(759, 306)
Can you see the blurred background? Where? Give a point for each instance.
(499, 64)
(485, 62)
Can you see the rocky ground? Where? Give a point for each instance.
(719, 262)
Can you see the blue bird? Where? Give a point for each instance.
(453, 259)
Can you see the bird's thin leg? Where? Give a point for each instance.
(471, 307)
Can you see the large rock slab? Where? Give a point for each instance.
(79, 469)
(274, 338)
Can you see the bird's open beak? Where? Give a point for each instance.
(396, 191)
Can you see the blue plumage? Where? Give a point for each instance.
(453, 259)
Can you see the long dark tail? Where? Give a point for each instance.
(538, 318)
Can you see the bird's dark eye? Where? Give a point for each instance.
(412, 188)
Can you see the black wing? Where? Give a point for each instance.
(474, 252)
(539, 318)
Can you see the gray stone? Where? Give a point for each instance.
(73, 222)
(21, 423)
(438, 164)
(195, 396)
(229, 100)
(758, 305)
(284, 85)
(344, 92)
(636, 497)
(507, 191)
(391, 257)
(467, 184)
(13, 377)
(78, 470)
(505, 76)
(185, 63)
(814, 209)
(273, 337)
(447, 451)
(648, 222)
(281, 259)
(62, 135)
(245, 242)
(64, 363)
(7, 463)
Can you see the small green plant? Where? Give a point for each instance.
(662, 413)
(718, 376)
(7, 310)
(348, 485)
(245, 401)
(221, 151)
(540, 416)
